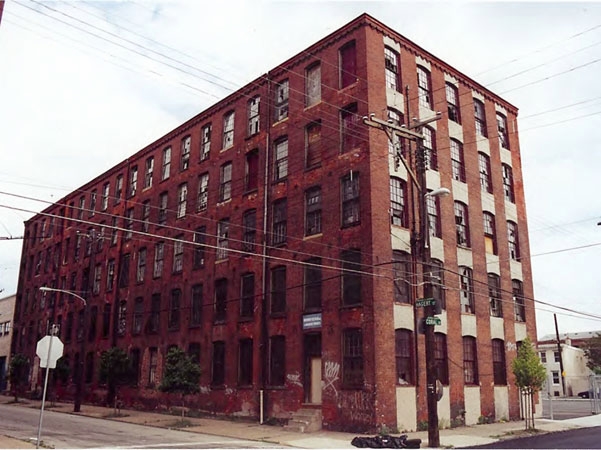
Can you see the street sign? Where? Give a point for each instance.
(49, 350)
(423, 302)
(433, 321)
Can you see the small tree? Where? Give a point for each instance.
(530, 376)
(115, 370)
(592, 351)
(18, 374)
(182, 375)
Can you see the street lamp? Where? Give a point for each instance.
(79, 385)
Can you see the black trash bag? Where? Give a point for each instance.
(386, 441)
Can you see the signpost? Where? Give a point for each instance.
(49, 350)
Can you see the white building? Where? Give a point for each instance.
(7, 307)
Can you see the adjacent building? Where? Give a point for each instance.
(7, 307)
(272, 237)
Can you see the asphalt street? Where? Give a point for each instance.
(582, 438)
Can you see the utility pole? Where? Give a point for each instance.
(563, 378)
(422, 238)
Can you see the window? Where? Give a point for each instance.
(205, 143)
(254, 119)
(433, 207)
(480, 117)
(277, 360)
(457, 162)
(281, 160)
(543, 357)
(470, 360)
(166, 163)
(249, 230)
(513, 240)
(401, 272)
(220, 300)
(110, 274)
(185, 153)
(313, 145)
(223, 229)
(182, 200)
(199, 251)
(245, 362)
(494, 295)
(502, 128)
(429, 143)
(129, 223)
(228, 130)
(281, 101)
(152, 369)
(122, 318)
(424, 87)
(141, 269)
(155, 314)
(398, 215)
(133, 181)
(498, 362)
(485, 173)
(394, 144)
(104, 202)
(279, 232)
(203, 192)
(403, 350)
(159, 255)
(118, 188)
(124, 271)
(453, 102)
(251, 171)
(82, 207)
(508, 183)
(313, 84)
(97, 278)
(174, 309)
(225, 182)
(247, 295)
(163, 201)
(114, 230)
(436, 279)
(178, 254)
(134, 358)
(313, 211)
(352, 358)
(556, 357)
(350, 199)
(555, 374)
(490, 235)
(391, 64)
(462, 224)
(92, 324)
(518, 300)
(440, 357)
(138, 315)
(466, 290)
(312, 285)
(145, 216)
(349, 131)
(351, 279)
(69, 327)
(196, 305)
(218, 369)
(348, 64)
(278, 290)
(93, 196)
(149, 167)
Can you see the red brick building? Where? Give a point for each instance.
(270, 236)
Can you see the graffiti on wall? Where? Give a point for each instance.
(295, 379)
(331, 375)
(356, 407)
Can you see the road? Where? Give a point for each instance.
(62, 430)
(582, 438)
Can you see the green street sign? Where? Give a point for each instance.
(423, 302)
(433, 321)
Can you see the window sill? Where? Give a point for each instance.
(251, 191)
(246, 319)
(279, 121)
(350, 86)
(347, 307)
(313, 236)
(307, 108)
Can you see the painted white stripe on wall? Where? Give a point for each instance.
(471, 395)
(406, 412)
(460, 192)
(468, 325)
(505, 156)
(455, 131)
(403, 317)
(516, 270)
(401, 239)
(501, 403)
(496, 324)
(483, 145)
(464, 257)
(520, 331)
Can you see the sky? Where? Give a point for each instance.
(84, 85)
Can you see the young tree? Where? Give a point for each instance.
(530, 376)
(18, 374)
(115, 370)
(592, 351)
(182, 375)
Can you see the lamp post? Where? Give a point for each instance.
(79, 385)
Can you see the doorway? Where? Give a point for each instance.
(312, 372)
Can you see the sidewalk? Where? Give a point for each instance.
(455, 437)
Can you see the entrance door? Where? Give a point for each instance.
(312, 372)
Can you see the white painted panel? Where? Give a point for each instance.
(426, 113)
(422, 62)
(483, 145)
(400, 171)
(492, 263)
(500, 109)
(496, 327)
(437, 248)
(406, 410)
(392, 44)
(403, 316)
(516, 270)
(460, 192)
(451, 79)
(432, 179)
(455, 131)
(511, 211)
(468, 325)
(444, 323)
(501, 403)
(464, 257)
(520, 331)
(473, 412)
(444, 409)
(395, 99)
(401, 239)
(488, 202)
(505, 156)
(477, 95)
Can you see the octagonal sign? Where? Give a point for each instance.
(49, 350)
